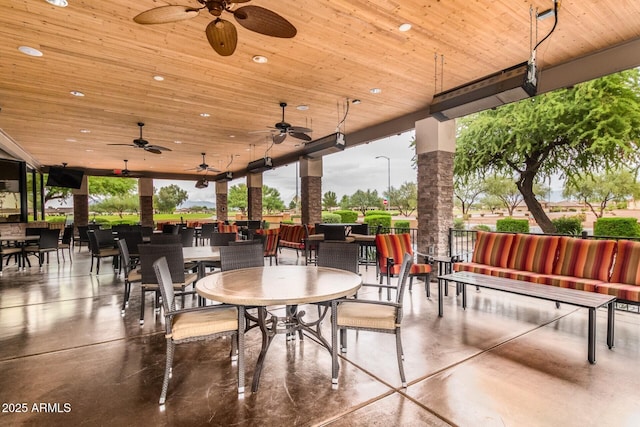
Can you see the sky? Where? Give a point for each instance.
(344, 172)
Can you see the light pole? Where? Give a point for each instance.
(388, 180)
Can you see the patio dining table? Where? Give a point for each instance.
(19, 241)
(288, 285)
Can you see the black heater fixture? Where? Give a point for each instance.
(260, 165)
(223, 177)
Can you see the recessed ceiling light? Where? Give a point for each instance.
(71, 140)
(59, 3)
(375, 90)
(76, 93)
(89, 150)
(259, 59)
(85, 131)
(232, 136)
(404, 27)
(31, 51)
(205, 115)
(177, 142)
(158, 78)
(302, 107)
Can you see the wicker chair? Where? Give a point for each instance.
(344, 256)
(133, 239)
(241, 256)
(187, 235)
(83, 237)
(66, 241)
(375, 316)
(196, 324)
(131, 274)
(208, 228)
(48, 243)
(9, 251)
(181, 280)
(102, 246)
(222, 239)
(164, 239)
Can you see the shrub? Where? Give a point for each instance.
(458, 224)
(481, 227)
(287, 222)
(402, 226)
(331, 218)
(617, 227)
(347, 216)
(512, 225)
(374, 220)
(385, 213)
(568, 224)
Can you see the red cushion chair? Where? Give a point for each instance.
(390, 252)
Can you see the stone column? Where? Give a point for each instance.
(311, 190)
(435, 147)
(145, 194)
(221, 201)
(81, 203)
(254, 196)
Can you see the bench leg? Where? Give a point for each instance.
(611, 315)
(440, 302)
(592, 336)
(464, 295)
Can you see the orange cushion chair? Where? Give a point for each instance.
(390, 252)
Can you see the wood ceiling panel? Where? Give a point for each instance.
(343, 48)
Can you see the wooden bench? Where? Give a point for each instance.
(585, 299)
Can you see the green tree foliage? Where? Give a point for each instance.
(345, 203)
(405, 198)
(617, 227)
(512, 225)
(566, 132)
(598, 190)
(505, 190)
(329, 200)
(466, 189)
(363, 200)
(117, 204)
(104, 186)
(237, 198)
(271, 200)
(169, 197)
(491, 202)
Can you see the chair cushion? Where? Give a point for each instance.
(626, 267)
(134, 276)
(473, 267)
(362, 315)
(622, 291)
(533, 253)
(202, 323)
(108, 252)
(582, 258)
(492, 248)
(571, 282)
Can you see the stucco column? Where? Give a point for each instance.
(145, 194)
(221, 201)
(81, 203)
(435, 147)
(311, 190)
(254, 196)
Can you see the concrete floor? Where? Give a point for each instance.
(506, 360)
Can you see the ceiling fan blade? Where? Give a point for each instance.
(264, 21)
(156, 147)
(165, 14)
(210, 169)
(278, 138)
(128, 145)
(299, 135)
(152, 150)
(299, 129)
(222, 36)
(238, 1)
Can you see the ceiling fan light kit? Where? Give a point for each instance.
(222, 34)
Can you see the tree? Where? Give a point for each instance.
(329, 200)
(491, 202)
(505, 190)
(598, 190)
(404, 198)
(104, 186)
(467, 189)
(169, 197)
(566, 132)
(362, 200)
(238, 198)
(271, 200)
(118, 204)
(345, 203)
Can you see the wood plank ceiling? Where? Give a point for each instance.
(343, 49)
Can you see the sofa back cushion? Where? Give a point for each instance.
(626, 267)
(587, 259)
(492, 248)
(532, 253)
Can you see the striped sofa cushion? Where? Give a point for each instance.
(571, 282)
(582, 258)
(626, 267)
(492, 248)
(473, 267)
(536, 254)
(622, 291)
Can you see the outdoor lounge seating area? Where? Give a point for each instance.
(506, 360)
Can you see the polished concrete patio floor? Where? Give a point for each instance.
(506, 360)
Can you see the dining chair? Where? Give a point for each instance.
(270, 239)
(195, 324)
(47, 243)
(131, 273)
(187, 236)
(208, 228)
(222, 239)
(376, 316)
(241, 256)
(164, 238)
(344, 256)
(180, 279)
(390, 250)
(66, 241)
(102, 247)
(8, 251)
(133, 239)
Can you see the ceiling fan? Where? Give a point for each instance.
(144, 144)
(285, 129)
(222, 34)
(204, 166)
(126, 173)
